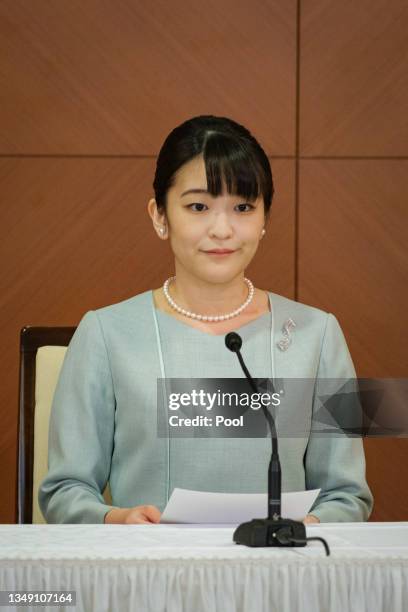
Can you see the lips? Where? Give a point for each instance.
(220, 251)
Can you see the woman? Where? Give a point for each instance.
(213, 192)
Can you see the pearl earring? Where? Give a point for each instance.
(161, 230)
(263, 232)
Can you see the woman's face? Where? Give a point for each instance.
(197, 223)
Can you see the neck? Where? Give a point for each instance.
(200, 296)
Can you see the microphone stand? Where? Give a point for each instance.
(274, 530)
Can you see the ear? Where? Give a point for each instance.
(158, 219)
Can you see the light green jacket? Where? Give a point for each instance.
(103, 423)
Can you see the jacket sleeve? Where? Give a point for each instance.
(81, 431)
(336, 463)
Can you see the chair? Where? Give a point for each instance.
(42, 352)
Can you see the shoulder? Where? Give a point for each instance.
(312, 326)
(139, 303)
(121, 318)
(315, 332)
(303, 314)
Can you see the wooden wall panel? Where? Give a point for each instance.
(386, 464)
(353, 258)
(354, 90)
(112, 77)
(76, 236)
(89, 91)
(353, 262)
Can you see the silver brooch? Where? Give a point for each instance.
(286, 341)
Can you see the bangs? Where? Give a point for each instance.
(228, 161)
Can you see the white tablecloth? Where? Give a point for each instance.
(119, 568)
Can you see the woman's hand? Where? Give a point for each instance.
(139, 515)
(310, 518)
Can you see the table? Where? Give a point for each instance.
(191, 568)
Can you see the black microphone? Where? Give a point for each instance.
(274, 530)
(234, 342)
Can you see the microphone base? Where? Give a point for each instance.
(270, 532)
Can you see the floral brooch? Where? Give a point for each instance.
(286, 341)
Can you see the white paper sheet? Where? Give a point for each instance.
(185, 506)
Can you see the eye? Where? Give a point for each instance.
(196, 204)
(250, 207)
(239, 206)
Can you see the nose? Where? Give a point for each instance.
(221, 227)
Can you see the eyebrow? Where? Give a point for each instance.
(194, 191)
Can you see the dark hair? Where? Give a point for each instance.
(230, 152)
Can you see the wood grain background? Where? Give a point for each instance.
(90, 89)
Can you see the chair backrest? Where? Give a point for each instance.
(42, 352)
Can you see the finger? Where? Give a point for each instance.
(136, 518)
(151, 513)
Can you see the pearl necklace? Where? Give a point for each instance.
(199, 317)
